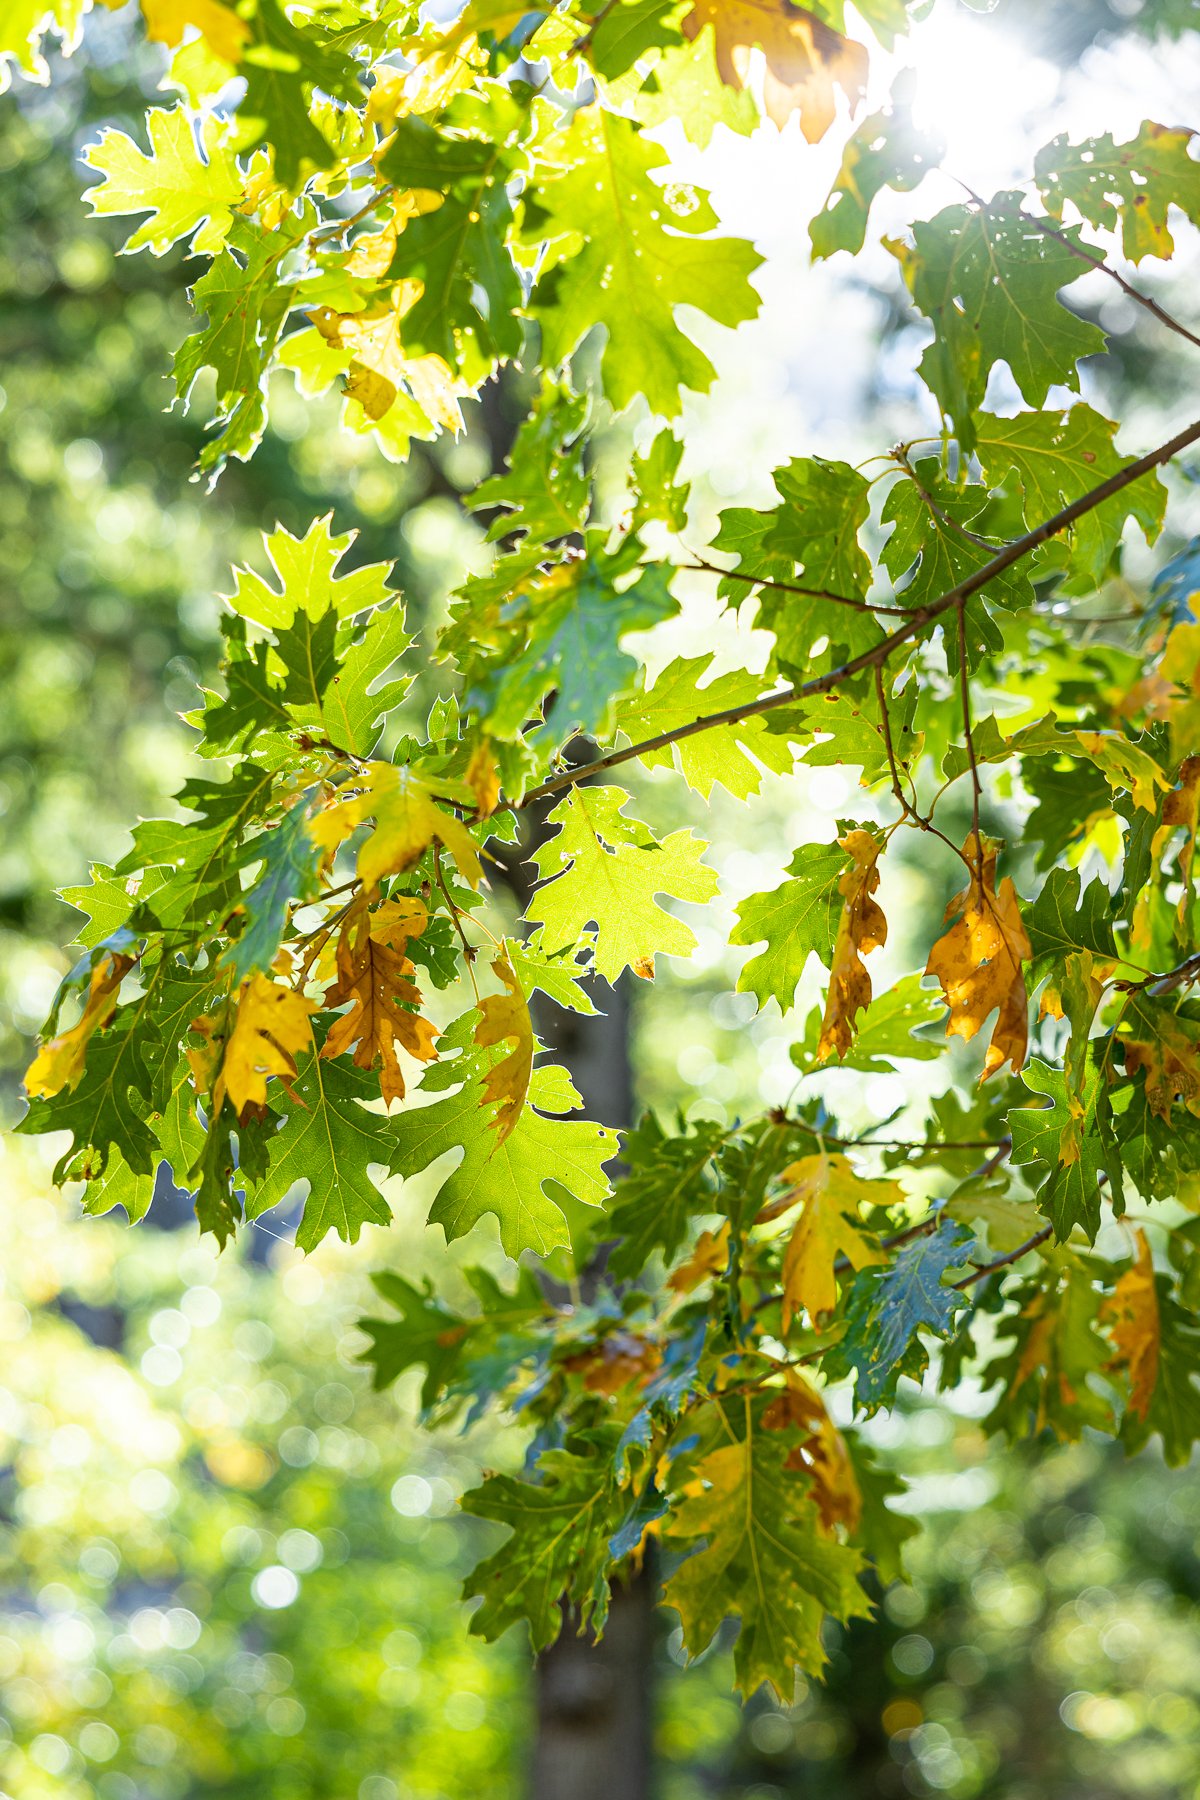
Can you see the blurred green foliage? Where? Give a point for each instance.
(224, 1571)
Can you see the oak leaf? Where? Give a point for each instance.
(59, 1063)
(504, 1018)
(832, 1195)
(219, 25)
(862, 928)
(709, 1257)
(407, 821)
(1131, 1313)
(483, 778)
(806, 59)
(270, 1031)
(822, 1453)
(978, 961)
(374, 975)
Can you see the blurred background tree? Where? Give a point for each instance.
(223, 1571)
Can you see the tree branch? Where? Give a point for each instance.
(869, 659)
(1098, 262)
(1002, 1262)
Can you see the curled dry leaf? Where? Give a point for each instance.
(978, 961)
(806, 58)
(505, 1019)
(375, 976)
(1131, 1313)
(59, 1063)
(862, 928)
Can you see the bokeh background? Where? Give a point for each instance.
(227, 1568)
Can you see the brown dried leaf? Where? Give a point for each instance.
(978, 961)
(373, 973)
(862, 928)
(806, 59)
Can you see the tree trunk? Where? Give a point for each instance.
(594, 1700)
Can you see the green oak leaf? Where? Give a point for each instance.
(886, 150)
(764, 1558)
(328, 1141)
(889, 1306)
(606, 868)
(731, 754)
(1058, 457)
(189, 190)
(624, 254)
(1066, 917)
(796, 920)
(514, 1178)
(1067, 1193)
(558, 1545)
(988, 281)
(666, 1181)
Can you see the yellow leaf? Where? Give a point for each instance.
(407, 822)
(483, 778)
(381, 368)
(1170, 1060)
(1131, 1312)
(978, 962)
(1124, 765)
(832, 1196)
(219, 25)
(59, 1063)
(373, 974)
(505, 1019)
(822, 1454)
(270, 1030)
(710, 1257)
(862, 928)
(806, 59)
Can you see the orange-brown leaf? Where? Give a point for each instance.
(806, 59)
(505, 1019)
(59, 1063)
(978, 962)
(1131, 1313)
(374, 976)
(862, 928)
(822, 1453)
(710, 1257)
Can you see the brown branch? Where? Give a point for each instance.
(1098, 262)
(1002, 1262)
(869, 659)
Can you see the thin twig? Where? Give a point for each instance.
(700, 567)
(969, 736)
(880, 652)
(1098, 262)
(1002, 1262)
